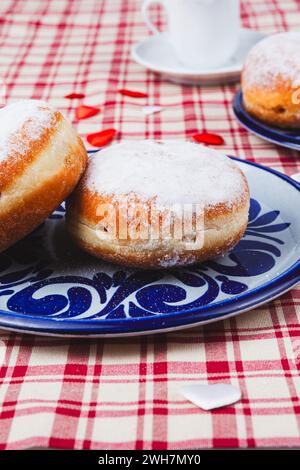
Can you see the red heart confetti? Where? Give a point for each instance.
(208, 138)
(132, 93)
(99, 139)
(84, 112)
(73, 96)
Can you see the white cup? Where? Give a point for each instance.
(203, 33)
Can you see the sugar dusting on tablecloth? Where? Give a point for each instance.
(170, 171)
(36, 114)
(273, 57)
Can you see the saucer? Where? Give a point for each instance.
(283, 137)
(156, 54)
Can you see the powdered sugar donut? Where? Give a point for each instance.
(41, 161)
(159, 204)
(271, 80)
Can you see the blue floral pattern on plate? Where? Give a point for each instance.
(48, 285)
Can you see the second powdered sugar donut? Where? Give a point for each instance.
(41, 160)
(159, 204)
(270, 80)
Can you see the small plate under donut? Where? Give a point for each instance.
(49, 287)
(289, 138)
(156, 54)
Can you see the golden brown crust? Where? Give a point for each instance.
(83, 204)
(270, 80)
(34, 185)
(224, 225)
(274, 105)
(15, 164)
(158, 258)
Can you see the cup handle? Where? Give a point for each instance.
(145, 6)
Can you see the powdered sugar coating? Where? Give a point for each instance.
(169, 171)
(275, 57)
(35, 114)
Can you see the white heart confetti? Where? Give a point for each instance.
(212, 396)
(147, 110)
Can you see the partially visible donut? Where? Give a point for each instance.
(150, 183)
(271, 80)
(41, 161)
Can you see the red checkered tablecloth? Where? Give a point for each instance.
(124, 393)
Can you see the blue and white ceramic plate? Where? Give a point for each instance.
(284, 137)
(48, 286)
